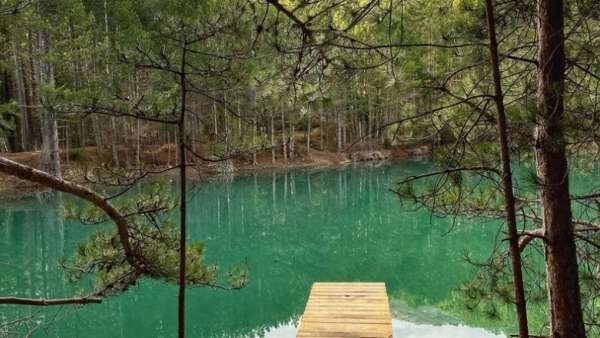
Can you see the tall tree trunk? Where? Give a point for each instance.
(113, 142)
(182, 196)
(369, 123)
(292, 154)
(96, 120)
(22, 125)
(359, 131)
(127, 141)
(344, 134)
(168, 142)
(339, 132)
(226, 123)
(283, 138)
(507, 185)
(254, 132)
(566, 318)
(81, 132)
(114, 132)
(32, 91)
(50, 147)
(321, 128)
(240, 130)
(216, 123)
(273, 159)
(308, 136)
(5, 97)
(254, 125)
(138, 135)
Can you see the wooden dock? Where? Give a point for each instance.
(347, 310)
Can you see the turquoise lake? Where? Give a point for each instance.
(292, 228)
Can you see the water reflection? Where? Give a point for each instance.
(404, 329)
(292, 228)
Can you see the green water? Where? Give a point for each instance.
(291, 228)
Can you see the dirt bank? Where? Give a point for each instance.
(80, 160)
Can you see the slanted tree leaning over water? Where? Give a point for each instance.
(143, 234)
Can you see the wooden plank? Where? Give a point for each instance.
(346, 310)
(348, 300)
(349, 314)
(380, 320)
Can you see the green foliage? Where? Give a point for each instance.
(525, 113)
(155, 240)
(124, 58)
(102, 258)
(7, 118)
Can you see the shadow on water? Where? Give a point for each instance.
(292, 228)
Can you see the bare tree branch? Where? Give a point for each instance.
(49, 302)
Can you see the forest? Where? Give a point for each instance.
(133, 132)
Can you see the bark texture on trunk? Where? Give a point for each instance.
(308, 127)
(5, 96)
(273, 158)
(562, 278)
(182, 197)
(32, 91)
(506, 172)
(338, 133)
(284, 145)
(50, 147)
(49, 302)
(20, 91)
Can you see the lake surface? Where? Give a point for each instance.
(291, 228)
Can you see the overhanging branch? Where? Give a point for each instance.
(37, 176)
(49, 302)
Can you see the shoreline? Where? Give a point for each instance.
(73, 170)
